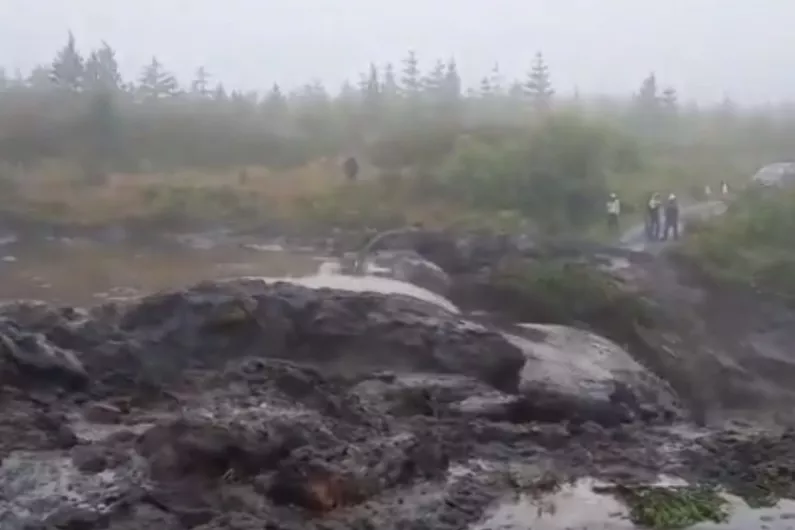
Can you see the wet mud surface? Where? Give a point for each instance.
(247, 404)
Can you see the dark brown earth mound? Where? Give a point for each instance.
(248, 405)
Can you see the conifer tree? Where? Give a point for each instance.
(67, 67)
(410, 80)
(156, 83)
(200, 86)
(538, 86)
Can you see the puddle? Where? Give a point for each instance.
(578, 507)
(91, 273)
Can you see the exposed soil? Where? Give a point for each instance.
(247, 405)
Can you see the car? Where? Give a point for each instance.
(777, 174)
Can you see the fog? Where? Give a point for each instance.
(707, 49)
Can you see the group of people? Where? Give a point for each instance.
(656, 212)
(662, 218)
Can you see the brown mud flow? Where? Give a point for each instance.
(251, 404)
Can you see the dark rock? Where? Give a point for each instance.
(324, 480)
(183, 448)
(89, 458)
(102, 413)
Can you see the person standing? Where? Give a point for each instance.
(613, 212)
(724, 188)
(351, 168)
(671, 217)
(653, 217)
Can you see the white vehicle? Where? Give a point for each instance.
(778, 174)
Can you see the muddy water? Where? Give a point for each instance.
(85, 273)
(579, 507)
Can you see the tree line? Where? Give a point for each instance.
(503, 145)
(80, 106)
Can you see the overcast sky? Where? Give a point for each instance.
(704, 48)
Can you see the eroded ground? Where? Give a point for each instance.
(250, 404)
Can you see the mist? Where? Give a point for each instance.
(706, 49)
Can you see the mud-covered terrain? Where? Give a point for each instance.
(252, 404)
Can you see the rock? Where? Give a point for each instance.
(324, 480)
(103, 413)
(408, 266)
(25, 356)
(419, 394)
(196, 448)
(574, 374)
(359, 331)
(38, 488)
(89, 459)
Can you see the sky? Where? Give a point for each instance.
(706, 49)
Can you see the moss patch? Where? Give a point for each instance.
(673, 507)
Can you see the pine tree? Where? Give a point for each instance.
(452, 81)
(450, 91)
(669, 100)
(348, 98)
(390, 87)
(201, 83)
(102, 70)
(433, 82)
(274, 107)
(485, 91)
(410, 80)
(219, 93)
(647, 98)
(39, 79)
(496, 80)
(538, 87)
(67, 67)
(157, 83)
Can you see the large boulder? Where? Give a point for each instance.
(574, 374)
(158, 338)
(408, 266)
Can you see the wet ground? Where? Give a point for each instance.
(85, 272)
(460, 495)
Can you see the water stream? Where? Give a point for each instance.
(579, 507)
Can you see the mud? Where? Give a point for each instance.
(248, 404)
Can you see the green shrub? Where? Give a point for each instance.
(752, 243)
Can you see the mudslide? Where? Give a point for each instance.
(313, 404)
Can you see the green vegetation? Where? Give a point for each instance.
(564, 292)
(670, 508)
(752, 244)
(79, 143)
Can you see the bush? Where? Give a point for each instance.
(562, 292)
(752, 243)
(555, 174)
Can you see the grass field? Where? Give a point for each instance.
(319, 193)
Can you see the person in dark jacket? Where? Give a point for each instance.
(351, 168)
(671, 217)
